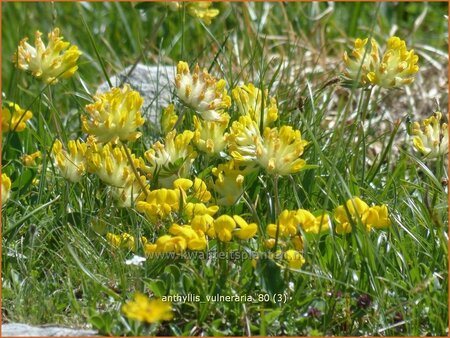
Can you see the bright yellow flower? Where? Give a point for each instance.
(168, 118)
(210, 136)
(29, 160)
(395, 68)
(50, 62)
(167, 243)
(245, 230)
(224, 226)
(294, 259)
(114, 115)
(15, 118)
(202, 92)
(280, 151)
(159, 203)
(359, 212)
(202, 10)
(145, 310)
(196, 239)
(172, 159)
(196, 189)
(201, 216)
(229, 182)
(72, 163)
(432, 141)
(124, 240)
(311, 223)
(249, 101)
(6, 188)
(287, 223)
(111, 165)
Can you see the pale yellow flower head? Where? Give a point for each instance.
(210, 136)
(148, 311)
(168, 118)
(111, 165)
(131, 192)
(6, 188)
(229, 183)
(249, 101)
(280, 151)
(431, 140)
(172, 159)
(71, 163)
(14, 118)
(243, 139)
(202, 92)
(48, 63)
(114, 115)
(396, 67)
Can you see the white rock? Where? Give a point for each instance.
(25, 330)
(155, 83)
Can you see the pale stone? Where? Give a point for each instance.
(25, 330)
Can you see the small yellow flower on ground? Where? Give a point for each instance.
(30, 160)
(48, 63)
(114, 115)
(14, 118)
(6, 188)
(148, 311)
(432, 140)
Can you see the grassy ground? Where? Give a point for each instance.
(57, 265)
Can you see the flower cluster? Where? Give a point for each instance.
(396, 67)
(148, 311)
(14, 118)
(432, 140)
(72, 163)
(355, 211)
(114, 115)
(47, 63)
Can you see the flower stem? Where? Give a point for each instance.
(277, 209)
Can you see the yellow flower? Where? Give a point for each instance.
(202, 10)
(210, 136)
(432, 141)
(123, 240)
(202, 92)
(167, 243)
(71, 164)
(15, 118)
(359, 212)
(395, 68)
(280, 151)
(229, 183)
(287, 223)
(294, 259)
(50, 62)
(159, 203)
(29, 160)
(168, 118)
(245, 230)
(114, 115)
(145, 310)
(172, 159)
(196, 239)
(111, 164)
(311, 223)
(201, 216)
(249, 101)
(6, 188)
(224, 226)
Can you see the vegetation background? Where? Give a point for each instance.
(56, 268)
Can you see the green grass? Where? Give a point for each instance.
(71, 275)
